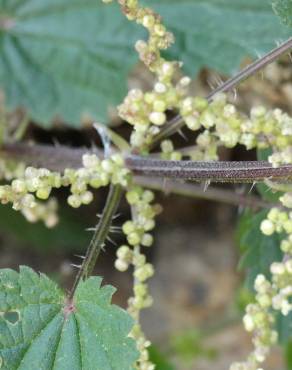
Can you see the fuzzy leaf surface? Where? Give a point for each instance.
(67, 58)
(64, 58)
(40, 331)
(283, 8)
(220, 33)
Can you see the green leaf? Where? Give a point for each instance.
(288, 355)
(284, 328)
(220, 33)
(189, 346)
(283, 8)
(64, 57)
(41, 330)
(70, 57)
(258, 250)
(159, 359)
(69, 234)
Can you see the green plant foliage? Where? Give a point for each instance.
(71, 57)
(50, 333)
(283, 8)
(244, 296)
(258, 250)
(64, 57)
(258, 253)
(159, 359)
(288, 355)
(190, 346)
(204, 37)
(284, 328)
(69, 234)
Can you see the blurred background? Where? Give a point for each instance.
(60, 70)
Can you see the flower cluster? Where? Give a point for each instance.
(223, 125)
(95, 173)
(43, 211)
(168, 152)
(271, 296)
(218, 123)
(137, 233)
(34, 184)
(147, 112)
(159, 37)
(271, 129)
(31, 209)
(259, 319)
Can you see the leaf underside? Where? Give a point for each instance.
(40, 331)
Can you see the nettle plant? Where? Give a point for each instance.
(41, 327)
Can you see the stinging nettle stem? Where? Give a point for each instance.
(252, 68)
(59, 158)
(99, 236)
(234, 172)
(177, 122)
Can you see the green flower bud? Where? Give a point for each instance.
(145, 272)
(134, 238)
(147, 240)
(267, 227)
(121, 265)
(157, 118)
(74, 201)
(129, 227)
(43, 193)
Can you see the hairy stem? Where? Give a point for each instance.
(54, 158)
(99, 237)
(177, 122)
(197, 191)
(253, 68)
(239, 172)
(59, 158)
(63, 157)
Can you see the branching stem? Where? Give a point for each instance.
(177, 122)
(234, 172)
(59, 158)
